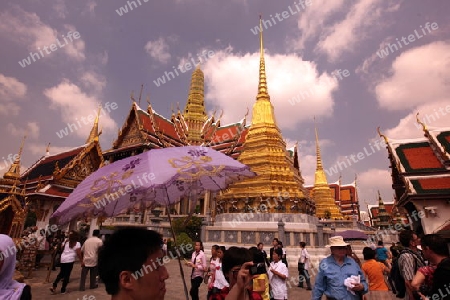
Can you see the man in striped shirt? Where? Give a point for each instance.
(410, 259)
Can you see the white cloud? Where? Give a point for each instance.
(93, 81)
(372, 180)
(232, 81)
(27, 29)
(435, 114)
(31, 130)
(10, 89)
(158, 50)
(76, 47)
(337, 36)
(418, 76)
(76, 107)
(313, 19)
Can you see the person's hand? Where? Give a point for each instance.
(272, 270)
(244, 278)
(358, 287)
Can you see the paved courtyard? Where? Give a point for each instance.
(174, 286)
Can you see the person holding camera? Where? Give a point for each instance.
(303, 266)
(261, 283)
(278, 273)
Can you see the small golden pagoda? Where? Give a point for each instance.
(277, 182)
(194, 113)
(325, 205)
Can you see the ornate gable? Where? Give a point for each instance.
(86, 162)
(130, 134)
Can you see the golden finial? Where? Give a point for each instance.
(382, 135)
(262, 86)
(94, 134)
(148, 100)
(319, 158)
(424, 127)
(47, 150)
(132, 97)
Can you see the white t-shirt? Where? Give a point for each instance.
(304, 258)
(279, 288)
(69, 254)
(90, 251)
(219, 279)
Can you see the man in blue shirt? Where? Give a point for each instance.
(382, 254)
(334, 270)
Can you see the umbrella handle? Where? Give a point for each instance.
(179, 256)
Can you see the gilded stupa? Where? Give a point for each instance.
(194, 112)
(264, 151)
(325, 205)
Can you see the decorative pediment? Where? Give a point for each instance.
(86, 162)
(130, 134)
(12, 201)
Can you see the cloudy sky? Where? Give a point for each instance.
(353, 64)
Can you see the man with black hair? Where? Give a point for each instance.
(409, 260)
(435, 250)
(89, 252)
(235, 259)
(275, 246)
(131, 265)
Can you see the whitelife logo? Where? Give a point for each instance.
(411, 38)
(53, 47)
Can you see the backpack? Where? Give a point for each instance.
(396, 274)
(397, 278)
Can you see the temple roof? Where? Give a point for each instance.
(45, 166)
(421, 166)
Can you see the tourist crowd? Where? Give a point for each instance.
(131, 265)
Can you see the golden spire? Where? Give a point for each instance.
(14, 171)
(47, 150)
(93, 136)
(263, 91)
(325, 204)
(319, 166)
(195, 112)
(263, 113)
(264, 151)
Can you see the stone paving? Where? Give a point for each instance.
(174, 286)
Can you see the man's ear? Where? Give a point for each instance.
(126, 280)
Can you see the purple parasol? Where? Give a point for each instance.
(155, 177)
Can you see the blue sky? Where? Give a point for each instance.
(306, 44)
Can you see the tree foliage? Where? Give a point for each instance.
(192, 227)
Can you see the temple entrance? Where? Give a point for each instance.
(6, 218)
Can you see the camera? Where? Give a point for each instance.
(258, 268)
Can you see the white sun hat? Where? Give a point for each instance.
(337, 241)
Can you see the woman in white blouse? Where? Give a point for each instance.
(278, 273)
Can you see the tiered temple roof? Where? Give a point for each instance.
(47, 183)
(421, 169)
